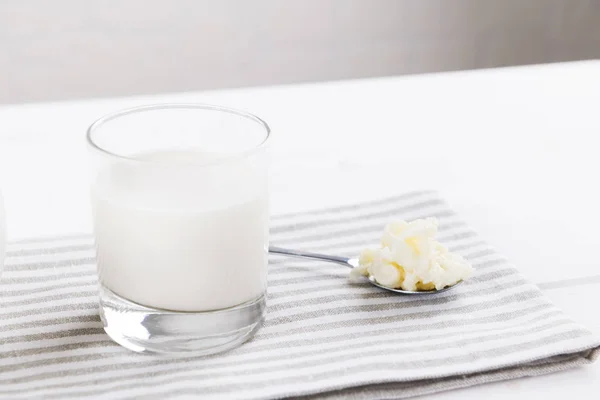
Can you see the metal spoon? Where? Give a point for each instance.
(350, 263)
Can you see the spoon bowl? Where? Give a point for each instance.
(402, 291)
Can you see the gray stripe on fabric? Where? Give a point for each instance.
(489, 263)
(42, 289)
(58, 348)
(300, 226)
(42, 251)
(586, 280)
(357, 207)
(47, 322)
(73, 262)
(480, 253)
(52, 297)
(307, 278)
(488, 276)
(67, 333)
(49, 310)
(465, 246)
(89, 275)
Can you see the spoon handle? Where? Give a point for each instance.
(313, 256)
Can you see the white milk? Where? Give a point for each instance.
(179, 236)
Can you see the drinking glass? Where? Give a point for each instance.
(180, 210)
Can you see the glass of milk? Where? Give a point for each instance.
(181, 222)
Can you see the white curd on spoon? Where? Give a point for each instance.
(410, 258)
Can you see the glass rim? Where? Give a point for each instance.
(166, 106)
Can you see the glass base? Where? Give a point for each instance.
(144, 329)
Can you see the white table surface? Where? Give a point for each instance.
(514, 150)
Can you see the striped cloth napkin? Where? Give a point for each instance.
(323, 336)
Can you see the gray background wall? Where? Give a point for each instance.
(64, 49)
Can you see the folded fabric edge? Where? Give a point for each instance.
(593, 354)
(399, 390)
